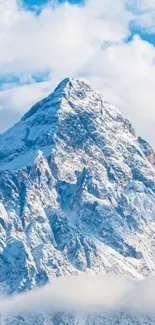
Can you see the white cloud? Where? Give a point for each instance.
(145, 14)
(19, 98)
(87, 41)
(86, 293)
(61, 38)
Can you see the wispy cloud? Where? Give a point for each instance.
(86, 293)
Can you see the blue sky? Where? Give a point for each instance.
(31, 3)
(110, 43)
(40, 2)
(145, 35)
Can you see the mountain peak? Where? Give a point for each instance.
(74, 114)
(39, 126)
(73, 83)
(64, 89)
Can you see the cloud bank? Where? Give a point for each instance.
(93, 41)
(86, 293)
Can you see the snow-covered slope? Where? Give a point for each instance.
(61, 318)
(77, 192)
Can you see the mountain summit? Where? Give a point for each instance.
(77, 192)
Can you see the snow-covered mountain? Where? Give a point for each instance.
(77, 192)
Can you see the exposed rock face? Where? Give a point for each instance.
(77, 192)
(147, 150)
